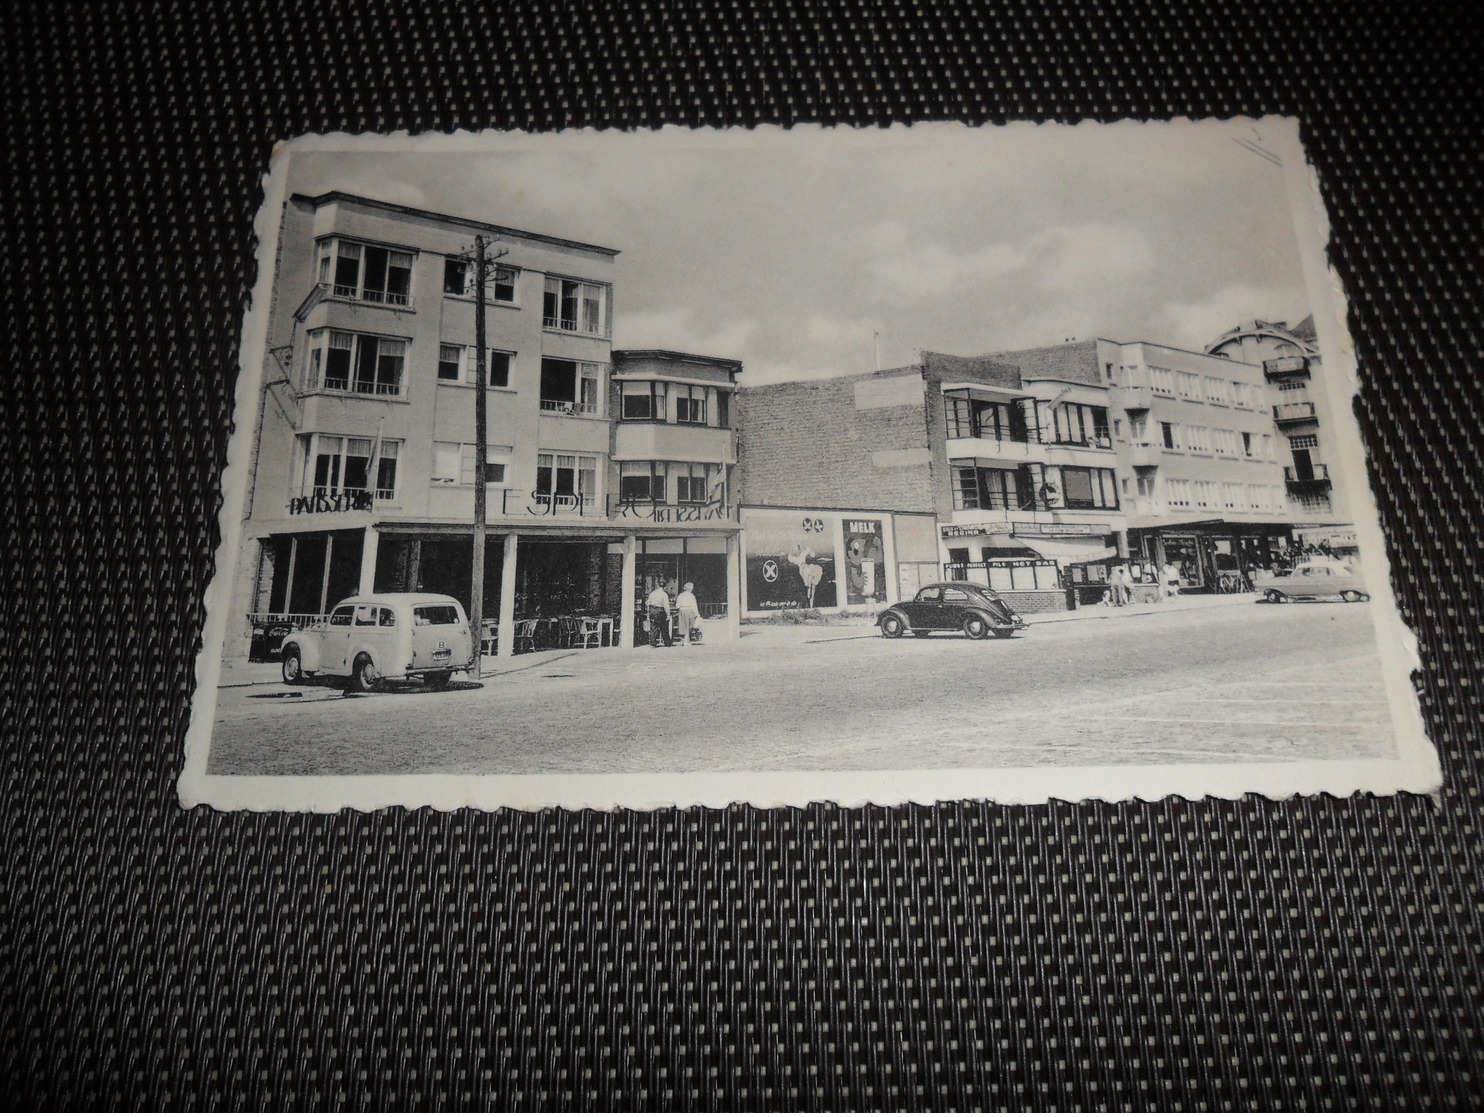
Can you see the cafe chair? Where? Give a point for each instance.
(489, 637)
(589, 629)
(525, 634)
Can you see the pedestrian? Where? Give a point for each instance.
(689, 611)
(659, 617)
(1119, 585)
(1171, 575)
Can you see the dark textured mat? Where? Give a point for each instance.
(1302, 954)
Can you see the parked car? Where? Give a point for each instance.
(965, 607)
(1316, 578)
(373, 637)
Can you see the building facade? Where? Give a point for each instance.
(1199, 465)
(1294, 370)
(362, 473)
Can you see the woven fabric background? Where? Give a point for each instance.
(1305, 954)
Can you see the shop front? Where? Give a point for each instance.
(813, 559)
(1039, 567)
(1211, 556)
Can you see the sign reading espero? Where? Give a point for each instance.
(791, 559)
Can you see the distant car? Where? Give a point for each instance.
(1321, 577)
(966, 607)
(373, 637)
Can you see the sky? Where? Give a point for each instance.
(803, 252)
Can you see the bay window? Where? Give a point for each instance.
(974, 418)
(984, 488)
(1081, 424)
(367, 272)
(360, 363)
(645, 400)
(690, 403)
(642, 481)
(332, 465)
(1088, 488)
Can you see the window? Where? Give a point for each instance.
(1147, 481)
(1162, 380)
(333, 465)
(694, 482)
(575, 307)
(644, 400)
(458, 279)
(360, 363)
(975, 418)
(1217, 390)
(453, 463)
(975, 488)
(1231, 494)
(1226, 442)
(458, 364)
(340, 618)
(1267, 447)
(367, 272)
(644, 481)
(1081, 424)
(1189, 384)
(1198, 439)
(450, 362)
(1177, 493)
(1088, 488)
(690, 404)
(496, 368)
(425, 615)
(1205, 494)
(1167, 433)
(568, 480)
(1304, 442)
(365, 616)
(570, 387)
(1247, 444)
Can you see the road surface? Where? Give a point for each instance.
(1243, 682)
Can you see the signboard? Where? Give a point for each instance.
(865, 562)
(790, 560)
(961, 531)
(1027, 527)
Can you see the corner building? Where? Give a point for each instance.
(362, 471)
(1200, 471)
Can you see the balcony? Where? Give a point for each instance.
(1317, 474)
(996, 449)
(1144, 454)
(647, 440)
(570, 407)
(668, 511)
(1282, 368)
(1293, 413)
(1132, 397)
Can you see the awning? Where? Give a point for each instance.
(1072, 549)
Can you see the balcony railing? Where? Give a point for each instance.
(667, 511)
(1276, 368)
(355, 386)
(556, 505)
(568, 407)
(399, 299)
(1100, 441)
(1293, 412)
(1316, 474)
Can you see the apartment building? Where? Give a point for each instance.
(1294, 370)
(604, 470)
(1199, 465)
(857, 489)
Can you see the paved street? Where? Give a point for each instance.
(1238, 682)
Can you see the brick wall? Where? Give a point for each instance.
(845, 442)
(1035, 601)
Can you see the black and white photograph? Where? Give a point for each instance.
(864, 466)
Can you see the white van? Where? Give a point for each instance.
(383, 636)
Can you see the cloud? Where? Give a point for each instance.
(1081, 257)
(679, 328)
(1197, 324)
(928, 269)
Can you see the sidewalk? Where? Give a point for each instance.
(1180, 603)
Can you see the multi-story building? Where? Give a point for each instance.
(1294, 370)
(856, 489)
(603, 468)
(1200, 471)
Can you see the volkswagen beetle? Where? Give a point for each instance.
(967, 607)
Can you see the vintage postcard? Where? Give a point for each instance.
(862, 466)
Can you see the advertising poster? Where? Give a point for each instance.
(865, 562)
(790, 560)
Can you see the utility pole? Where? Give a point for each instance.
(483, 261)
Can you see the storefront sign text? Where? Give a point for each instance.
(1026, 527)
(359, 500)
(959, 531)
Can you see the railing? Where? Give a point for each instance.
(568, 407)
(359, 387)
(291, 620)
(384, 298)
(516, 503)
(1101, 441)
(1285, 366)
(1293, 412)
(1318, 475)
(667, 511)
(990, 434)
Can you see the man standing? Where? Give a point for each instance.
(689, 611)
(659, 617)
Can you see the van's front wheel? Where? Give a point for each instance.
(438, 680)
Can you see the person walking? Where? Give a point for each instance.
(659, 617)
(689, 610)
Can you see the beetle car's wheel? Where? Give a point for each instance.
(293, 666)
(363, 676)
(1275, 598)
(975, 627)
(438, 680)
(1354, 595)
(891, 626)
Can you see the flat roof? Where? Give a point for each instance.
(329, 196)
(675, 355)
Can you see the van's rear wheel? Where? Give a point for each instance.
(438, 680)
(1354, 595)
(1275, 598)
(362, 675)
